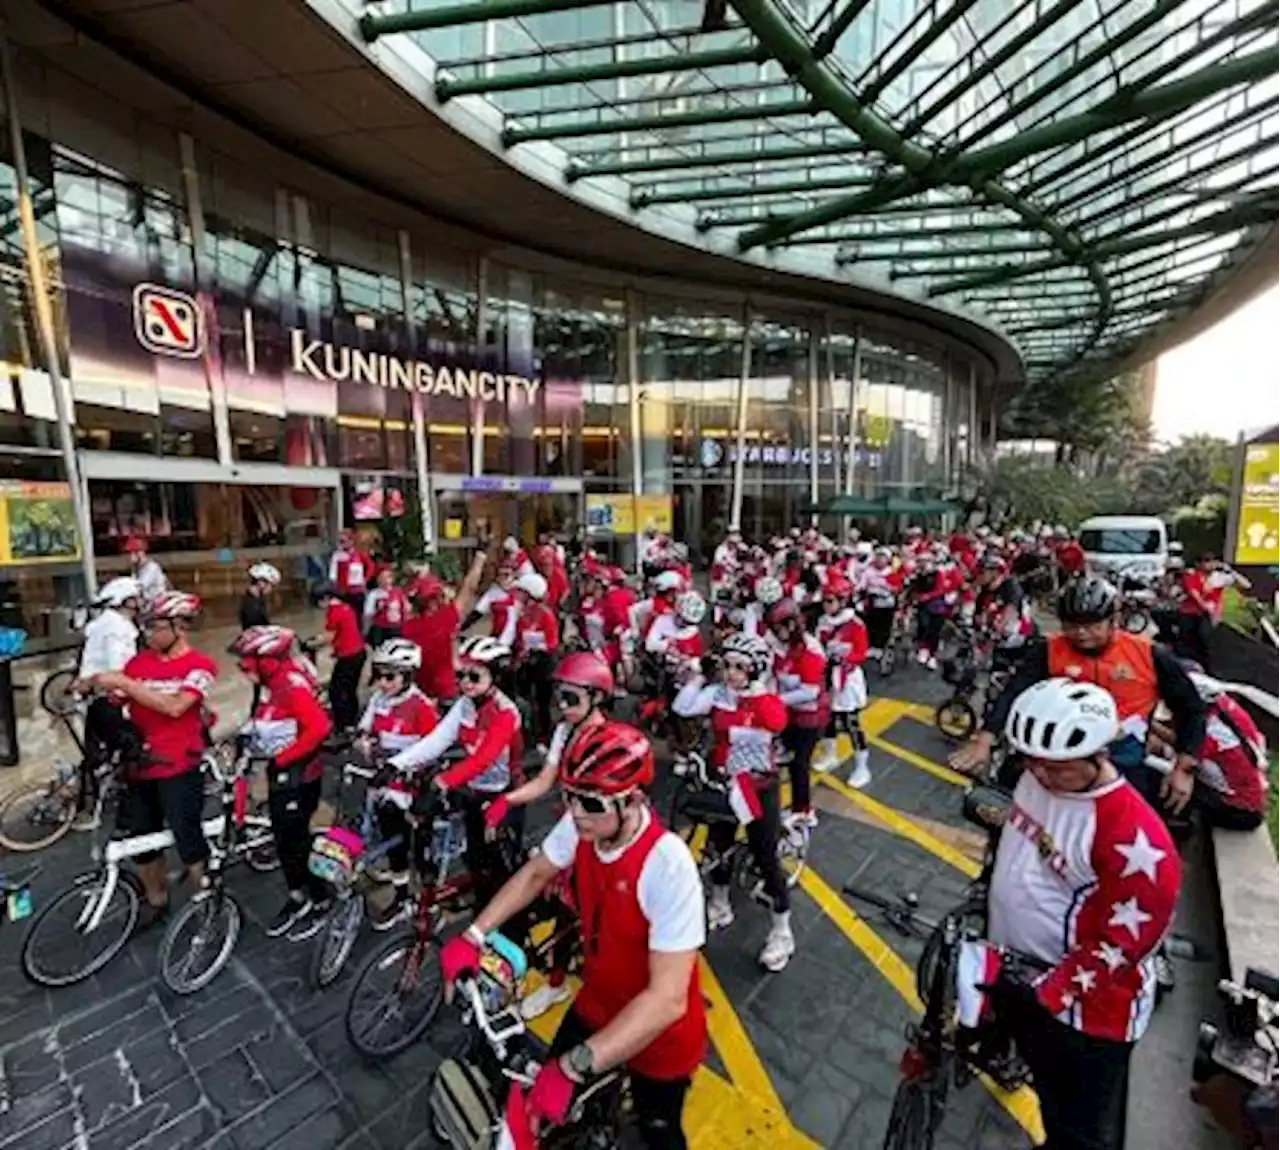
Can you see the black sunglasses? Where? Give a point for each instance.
(588, 804)
(471, 676)
(387, 674)
(568, 697)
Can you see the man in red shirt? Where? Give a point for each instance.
(435, 625)
(1071, 560)
(342, 634)
(165, 686)
(801, 671)
(1201, 605)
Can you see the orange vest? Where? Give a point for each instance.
(1126, 669)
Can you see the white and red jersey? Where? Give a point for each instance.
(642, 614)
(537, 631)
(591, 621)
(801, 674)
(498, 605)
(1233, 756)
(399, 721)
(489, 733)
(350, 571)
(844, 638)
(880, 586)
(1087, 882)
(288, 722)
(386, 607)
(743, 724)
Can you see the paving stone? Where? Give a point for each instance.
(62, 1128)
(824, 1103)
(283, 1113)
(154, 1115)
(327, 1128)
(234, 1086)
(186, 1132)
(278, 1057)
(407, 1120)
(119, 1033)
(29, 1109)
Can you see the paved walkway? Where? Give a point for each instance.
(806, 1058)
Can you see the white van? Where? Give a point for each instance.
(1115, 543)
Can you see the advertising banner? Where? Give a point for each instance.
(1257, 539)
(37, 523)
(627, 514)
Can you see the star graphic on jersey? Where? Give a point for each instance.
(1140, 856)
(1129, 915)
(1086, 980)
(1113, 956)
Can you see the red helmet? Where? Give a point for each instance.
(135, 545)
(585, 669)
(609, 758)
(173, 605)
(838, 587)
(544, 555)
(426, 587)
(783, 610)
(272, 642)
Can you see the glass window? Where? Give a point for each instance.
(1118, 541)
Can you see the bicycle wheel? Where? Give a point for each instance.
(199, 941)
(1135, 622)
(37, 816)
(55, 693)
(910, 1126)
(60, 949)
(395, 996)
(336, 940)
(955, 719)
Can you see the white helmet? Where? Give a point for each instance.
(668, 581)
(398, 654)
(118, 592)
(533, 585)
(483, 649)
(863, 548)
(264, 573)
(1060, 719)
(511, 545)
(768, 590)
(751, 648)
(691, 607)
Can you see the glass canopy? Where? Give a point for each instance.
(1083, 171)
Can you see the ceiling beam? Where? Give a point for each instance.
(457, 15)
(519, 133)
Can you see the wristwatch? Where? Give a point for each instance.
(581, 1061)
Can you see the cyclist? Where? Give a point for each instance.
(800, 667)
(549, 563)
(843, 636)
(286, 729)
(880, 584)
(110, 641)
(485, 726)
(642, 921)
(386, 608)
(342, 635)
(536, 640)
(263, 579)
(350, 570)
(1002, 610)
(497, 604)
(165, 686)
(1085, 879)
(435, 624)
(675, 636)
(745, 718)
(1139, 673)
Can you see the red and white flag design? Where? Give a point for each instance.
(743, 799)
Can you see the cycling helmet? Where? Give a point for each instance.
(323, 591)
(426, 587)
(1089, 600)
(174, 605)
(483, 649)
(768, 590)
(398, 655)
(1060, 719)
(751, 648)
(264, 642)
(511, 545)
(264, 573)
(533, 585)
(991, 562)
(585, 669)
(609, 758)
(1176, 563)
(837, 586)
(691, 607)
(134, 545)
(863, 548)
(667, 581)
(783, 610)
(118, 592)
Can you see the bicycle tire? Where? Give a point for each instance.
(55, 693)
(955, 719)
(394, 951)
(128, 888)
(227, 924)
(909, 1119)
(336, 941)
(54, 796)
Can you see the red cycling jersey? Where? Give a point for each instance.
(289, 724)
(434, 631)
(350, 571)
(399, 721)
(489, 733)
(390, 607)
(537, 631)
(1232, 758)
(801, 671)
(173, 746)
(344, 628)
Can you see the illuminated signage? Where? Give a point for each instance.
(713, 453)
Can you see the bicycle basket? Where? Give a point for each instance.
(334, 855)
(463, 1110)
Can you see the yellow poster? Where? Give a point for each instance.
(1258, 525)
(453, 528)
(627, 514)
(37, 524)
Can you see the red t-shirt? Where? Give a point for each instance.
(435, 632)
(1071, 558)
(175, 745)
(1193, 582)
(340, 620)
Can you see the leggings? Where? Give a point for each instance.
(879, 626)
(343, 686)
(762, 841)
(800, 741)
(850, 723)
(291, 808)
(929, 628)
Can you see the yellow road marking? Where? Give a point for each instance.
(937, 770)
(880, 714)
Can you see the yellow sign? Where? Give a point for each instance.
(37, 524)
(453, 528)
(1258, 524)
(627, 514)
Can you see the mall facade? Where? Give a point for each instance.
(251, 364)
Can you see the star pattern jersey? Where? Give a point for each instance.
(1087, 882)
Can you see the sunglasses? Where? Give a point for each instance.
(588, 804)
(739, 665)
(382, 675)
(567, 697)
(471, 675)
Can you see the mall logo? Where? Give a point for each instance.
(167, 322)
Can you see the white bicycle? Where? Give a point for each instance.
(86, 926)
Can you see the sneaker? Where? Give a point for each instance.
(288, 916)
(719, 909)
(543, 999)
(827, 760)
(397, 910)
(922, 657)
(778, 947)
(932, 663)
(809, 817)
(311, 923)
(861, 774)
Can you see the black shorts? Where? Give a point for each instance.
(150, 805)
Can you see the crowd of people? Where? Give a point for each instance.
(496, 694)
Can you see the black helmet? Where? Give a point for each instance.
(1089, 600)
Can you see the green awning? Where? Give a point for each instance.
(851, 505)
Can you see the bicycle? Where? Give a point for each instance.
(974, 677)
(901, 638)
(470, 1101)
(103, 904)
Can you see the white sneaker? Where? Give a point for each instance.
(807, 818)
(922, 657)
(827, 760)
(542, 1000)
(779, 946)
(719, 909)
(861, 774)
(932, 662)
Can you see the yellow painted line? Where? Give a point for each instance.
(1021, 1103)
(880, 714)
(937, 770)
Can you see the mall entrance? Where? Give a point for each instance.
(472, 509)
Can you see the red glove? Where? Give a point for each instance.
(495, 812)
(459, 956)
(551, 1095)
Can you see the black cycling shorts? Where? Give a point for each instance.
(150, 805)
